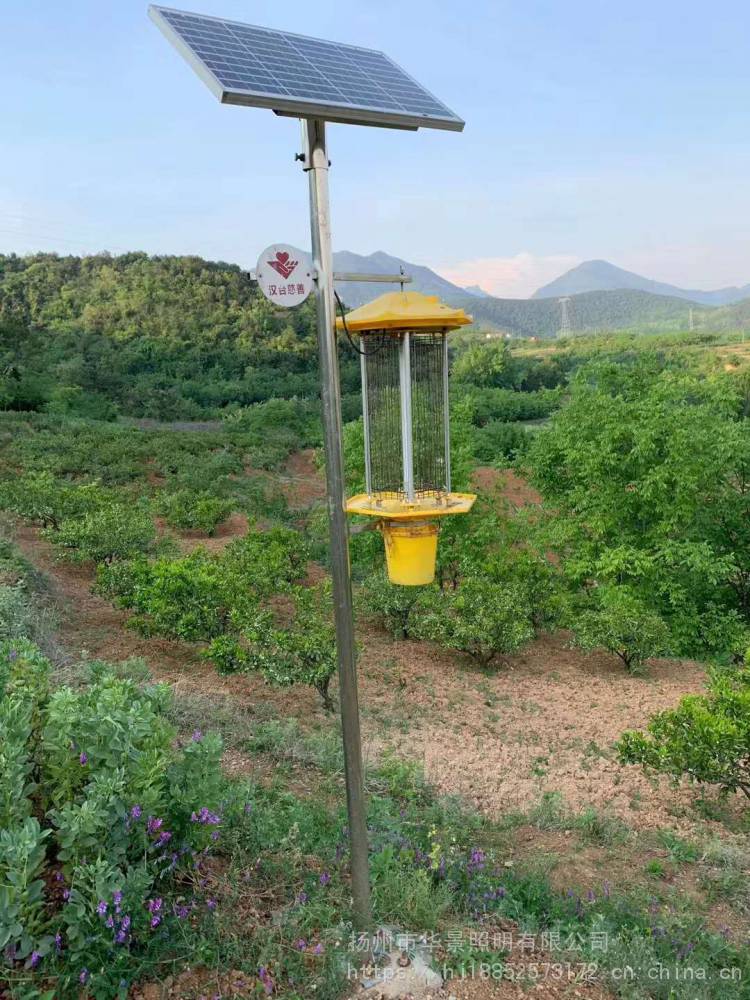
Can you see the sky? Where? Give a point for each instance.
(593, 130)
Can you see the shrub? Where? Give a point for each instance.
(193, 510)
(622, 624)
(39, 497)
(481, 618)
(191, 598)
(267, 561)
(305, 652)
(114, 532)
(706, 738)
(16, 614)
(396, 607)
(499, 442)
(127, 814)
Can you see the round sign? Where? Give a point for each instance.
(284, 275)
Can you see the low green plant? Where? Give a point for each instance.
(114, 532)
(46, 500)
(127, 813)
(622, 624)
(396, 607)
(480, 617)
(305, 651)
(193, 510)
(705, 739)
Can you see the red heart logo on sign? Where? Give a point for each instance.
(282, 264)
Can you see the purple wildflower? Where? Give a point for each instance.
(155, 921)
(84, 758)
(154, 824)
(136, 812)
(301, 898)
(117, 898)
(266, 980)
(35, 959)
(206, 817)
(59, 877)
(301, 945)
(197, 736)
(325, 878)
(121, 936)
(58, 942)
(110, 922)
(318, 949)
(154, 905)
(66, 894)
(84, 977)
(126, 922)
(101, 908)
(211, 904)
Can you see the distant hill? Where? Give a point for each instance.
(357, 293)
(612, 310)
(537, 317)
(601, 276)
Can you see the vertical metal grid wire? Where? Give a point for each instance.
(384, 406)
(428, 409)
(384, 412)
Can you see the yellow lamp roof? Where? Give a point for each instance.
(404, 311)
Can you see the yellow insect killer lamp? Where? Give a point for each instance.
(403, 338)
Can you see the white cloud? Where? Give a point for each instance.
(508, 277)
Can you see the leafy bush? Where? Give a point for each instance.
(498, 443)
(189, 598)
(192, 510)
(480, 617)
(396, 607)
(38, 496)
(305, 651)
(127, 813)
(116, 531)
(16, 615)
(623, 625)
(706, 738)
(267, 561)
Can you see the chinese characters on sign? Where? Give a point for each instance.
(284, 275)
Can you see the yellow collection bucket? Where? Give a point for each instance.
(410, 551)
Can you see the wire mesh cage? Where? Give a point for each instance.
(405, 408)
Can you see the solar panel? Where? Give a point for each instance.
(301, 76)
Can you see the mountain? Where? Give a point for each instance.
(601, 276)
(611, 310)
(357, 293)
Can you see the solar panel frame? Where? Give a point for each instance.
(236, 74)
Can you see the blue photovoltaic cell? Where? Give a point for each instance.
(293, 73)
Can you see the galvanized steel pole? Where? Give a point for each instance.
(316, 165)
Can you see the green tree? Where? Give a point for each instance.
(480, 617)
(622, 624)
(646, 479)
(304, 652)
(115, 531)
(705, 739)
